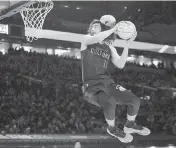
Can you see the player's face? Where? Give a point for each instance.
(96, 28)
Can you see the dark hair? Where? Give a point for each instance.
(103, 28)
(96, 21)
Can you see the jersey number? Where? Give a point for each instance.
(105, 65)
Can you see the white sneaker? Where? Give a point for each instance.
(117, 133)
(131, 127)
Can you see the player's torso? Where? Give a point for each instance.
(95, 60)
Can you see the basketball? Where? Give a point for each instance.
(125, 30)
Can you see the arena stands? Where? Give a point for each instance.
(32, 101)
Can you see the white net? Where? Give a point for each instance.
(34, 15)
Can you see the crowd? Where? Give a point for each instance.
(41, 93)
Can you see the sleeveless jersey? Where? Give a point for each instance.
(95, 60)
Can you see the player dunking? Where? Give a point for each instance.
(98, 86)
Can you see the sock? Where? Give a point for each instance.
(111, 122)
(131, 118)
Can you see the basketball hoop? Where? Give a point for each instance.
(34, 15)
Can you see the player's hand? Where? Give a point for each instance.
(116, 26)
(132, 38)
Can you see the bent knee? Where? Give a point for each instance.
(109, 103)
(106, 101)
(135, 101)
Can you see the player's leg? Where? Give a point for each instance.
(91, 99)
(108, 104)
(123, 96)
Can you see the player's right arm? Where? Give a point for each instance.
(99, 37)
(120, 61)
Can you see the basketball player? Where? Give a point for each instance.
(98, 86)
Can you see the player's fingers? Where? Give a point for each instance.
(132, 38)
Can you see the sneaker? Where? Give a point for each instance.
(131, 127)
(117, 133)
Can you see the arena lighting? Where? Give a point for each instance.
(130, 59)
(132, 55)
(141, 56)
(125, 7)
(78, 8)
(175, 48)
(152, 147)
(155, 62)
(3, 51)
(65, 6)
(139, 9)
(77, 145)
(171, 146)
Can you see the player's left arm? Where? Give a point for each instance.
(120, 61)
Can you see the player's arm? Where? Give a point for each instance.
(88, 39)
(120, 61)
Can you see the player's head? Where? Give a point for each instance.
(106, 22)
(95, 27)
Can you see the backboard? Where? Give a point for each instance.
(6, 4)
(33, 13)
(11, 7)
